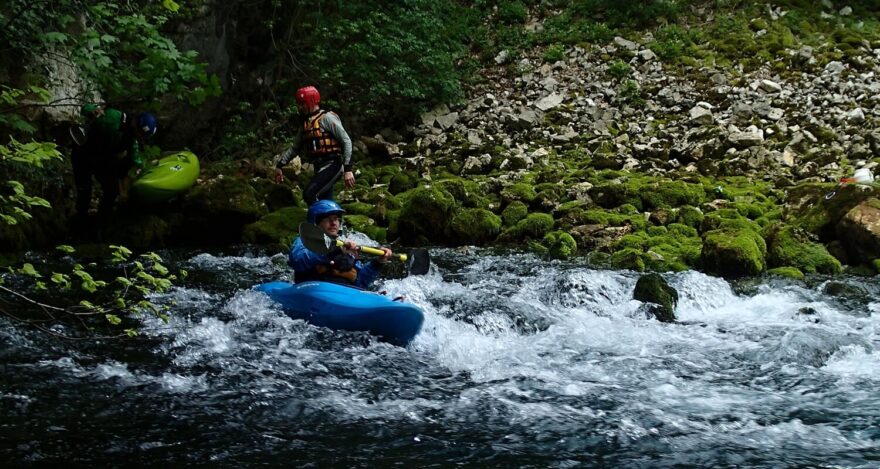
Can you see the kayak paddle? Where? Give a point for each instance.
(314, 239)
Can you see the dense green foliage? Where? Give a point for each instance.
(118, 47)
(374, 58)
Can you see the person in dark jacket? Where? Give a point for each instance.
(323, 142)
(340, 265)
(107, 148)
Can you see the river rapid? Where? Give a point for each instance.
(521, 363)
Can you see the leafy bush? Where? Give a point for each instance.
(619, 69)
(554, 53)
(118, 46)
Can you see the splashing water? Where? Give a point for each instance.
(520, 362)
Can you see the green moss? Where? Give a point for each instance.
(733, 253)
(534, 226)
(358, 208)
(682, 230)
(657, 230)
(466, 192)
(671, 194)
(876, 264)
(786, 272)
(514, 212)
(475, 226)
(559, 244)
(402, 182)
(652, 288)
(690, 216)
(278, 228)
(628, 258)
(425, 215)
(788, 246)
(520, 191)
(614, 194)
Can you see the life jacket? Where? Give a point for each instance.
(327, 274)
(317, 142)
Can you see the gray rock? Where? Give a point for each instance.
(549, 102)
(835, 67)
(856, 116)
(748, 138)
(625, 44)
(701, 116)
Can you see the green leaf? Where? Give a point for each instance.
(28, 269)
(170, 5)
(131, 332)
(113, 319)
(67, 249)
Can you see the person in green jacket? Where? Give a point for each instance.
(107, 148)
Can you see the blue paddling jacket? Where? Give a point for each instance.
(309, 265)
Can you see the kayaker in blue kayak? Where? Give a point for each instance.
(324, 143)
(341, 264)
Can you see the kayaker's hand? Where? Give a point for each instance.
(279, 175)
(352, 248)
(349, 179)
(385, 257)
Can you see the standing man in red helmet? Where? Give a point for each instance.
(324, 143)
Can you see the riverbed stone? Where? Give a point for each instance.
(733, 252)
(653, 288)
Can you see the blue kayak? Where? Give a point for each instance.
(344, 308)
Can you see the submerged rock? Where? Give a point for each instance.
(652, 288)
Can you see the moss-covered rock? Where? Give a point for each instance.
(425, 216)
(358, 208)
(466, 192)
(217, 211)
(733, 253)
(559, 244)
(652, 288)
(613, 194)
(628, 258)
(474, 226)
(534, 226)
(788, 246)
(859, 230)
(520, 191)
(690, 216)
(786, 272)
(402, 182)
(278, 228)
(671, 194)
(366, 225)
(514, 212)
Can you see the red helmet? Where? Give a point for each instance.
(308, 96)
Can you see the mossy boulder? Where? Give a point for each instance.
(690, 216)
(278, 228)
(788, 246)
(217, 211)
(276, 196)
(534, 226)
(358, 208)
(786, 272)
(559, 244)
(366, 225)
(466, 192)
(652, 288)
(474, 226)
(819, 207)
(670, 194)
(859, 230)
(514, 212)
(425, 216)
(613, 194)
(733, 253)
(402, 182)
(520, 191)
(628, 258)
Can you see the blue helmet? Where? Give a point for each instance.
(321, 209)
(147, 123)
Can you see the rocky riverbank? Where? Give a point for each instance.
(608, 153)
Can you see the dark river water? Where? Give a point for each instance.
(521, 363)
